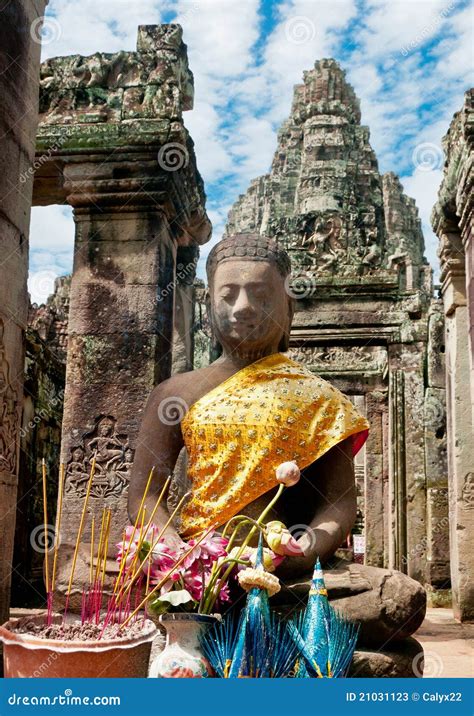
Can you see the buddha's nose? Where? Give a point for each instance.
(243, 307)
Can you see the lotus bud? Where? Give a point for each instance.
(288, 473)
(280, 539)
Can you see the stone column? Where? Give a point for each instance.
(397, 471)
(452, 220)
(460, 427)
(121, 156)
(437, 527)
(407, 465)
(119, 347)
(375, 517)
(19, 76)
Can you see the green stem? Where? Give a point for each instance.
(241, 524)
(213, 595)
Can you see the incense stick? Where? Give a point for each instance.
(62, 478)
(81, 527)
(167, 575)
(125, 574)
(126, 588)
(91, 566)
(45, 520)
(142, 502)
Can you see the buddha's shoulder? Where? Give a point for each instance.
(186, 385)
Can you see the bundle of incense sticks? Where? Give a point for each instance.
(131, 588)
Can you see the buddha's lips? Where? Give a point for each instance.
(243, 324)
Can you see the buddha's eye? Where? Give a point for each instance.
(227, 294)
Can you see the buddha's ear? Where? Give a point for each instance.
(215, 348)
(285, 339)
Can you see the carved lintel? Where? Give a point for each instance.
(339, 359)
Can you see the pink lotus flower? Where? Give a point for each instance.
(208, 551)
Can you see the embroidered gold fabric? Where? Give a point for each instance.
(269, 412)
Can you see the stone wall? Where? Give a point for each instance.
(453, 219)
(365, 318)
(19, 74)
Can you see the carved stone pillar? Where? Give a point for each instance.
(375, 481)
(19, 76)
(459, 427)
(119, 346)
(397, 472)
(452, 220)
(437, 548)
(407, 469)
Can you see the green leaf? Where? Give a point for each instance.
(175, 598)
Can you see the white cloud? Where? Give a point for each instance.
(394, 25)
(423, 187)
(51, 249)
(87, 26)
(219, 34)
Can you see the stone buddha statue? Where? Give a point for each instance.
(249, 411)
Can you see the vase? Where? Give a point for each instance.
(182, 656)
(27, 655)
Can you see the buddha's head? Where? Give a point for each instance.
(249, 306)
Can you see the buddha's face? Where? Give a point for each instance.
(250, 306)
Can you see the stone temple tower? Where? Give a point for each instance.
(365, 318)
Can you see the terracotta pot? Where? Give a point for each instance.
(25, 655)
(182, 656)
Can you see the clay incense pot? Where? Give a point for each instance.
(29, 655)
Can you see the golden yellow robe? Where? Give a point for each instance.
(271, 411)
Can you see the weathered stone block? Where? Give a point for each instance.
(435, 437)
(13, 293)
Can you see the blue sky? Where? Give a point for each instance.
(410, 62)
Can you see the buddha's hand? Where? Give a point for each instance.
(281, 541)
(307, 543)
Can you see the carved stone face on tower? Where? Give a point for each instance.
(250, 308)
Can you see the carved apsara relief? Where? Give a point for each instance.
(113, 456)
(468, 491)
